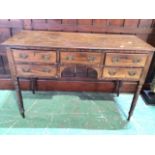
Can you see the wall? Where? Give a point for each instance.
(144, 28)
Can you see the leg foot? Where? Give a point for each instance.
(128, 119)
(134, 101)
(23, 115)
(19, 97)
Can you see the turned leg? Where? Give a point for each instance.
(118, 87)
(134, 101)
(19, 97)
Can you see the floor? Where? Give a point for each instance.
(74, 113)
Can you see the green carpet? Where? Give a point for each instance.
(74, 113)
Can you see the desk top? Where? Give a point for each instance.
(76, 40)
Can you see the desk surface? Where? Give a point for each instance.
(77, 40)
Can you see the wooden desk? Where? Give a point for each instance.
(62, 55)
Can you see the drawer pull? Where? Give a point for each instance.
(46, 70)
(132, 73)
(136, 60)
(26, 70)
(115, 59)
(23, 55)
(45, 57)
(112, 72)
(69, 57)
(91, 58)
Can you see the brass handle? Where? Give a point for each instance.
(91, 58)
(47, 70)
(132, 73)
(136, 60)
(69, 57)
(27, 70)
(112, 72)
(115, 59)
(23, 55)
(45, 57)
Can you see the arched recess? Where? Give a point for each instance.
(79, 71)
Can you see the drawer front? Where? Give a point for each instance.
(34, 56)
(122, 73)
(80, 58)
(35, 70)
(117, 59)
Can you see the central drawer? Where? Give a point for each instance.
(122, 73)
(35, 70)
(120, 59)
(34, 56)
(81, 58)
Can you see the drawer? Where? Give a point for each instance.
(35, 70)
(117, 59)
(34, 56)
(80, 58)
(122, 73)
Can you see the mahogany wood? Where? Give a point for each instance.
(51, 85)
(34, 56)
(88, 58)
(118, 87)
(127, 58)
(26, 70)
(122, 73)
(144, 28)
(134, 101)
(50, 40)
